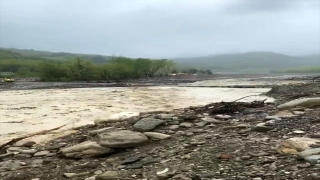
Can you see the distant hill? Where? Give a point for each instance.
(55, 55)
(252, 62)
(249, 62)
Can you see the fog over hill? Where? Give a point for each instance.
(250, 62)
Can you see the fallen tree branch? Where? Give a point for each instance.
(229, 107)
(12, 141)
(246, 97)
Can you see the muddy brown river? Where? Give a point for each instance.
(27, 111)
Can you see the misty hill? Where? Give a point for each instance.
(249, 62)
(254, 62)
(26, 53)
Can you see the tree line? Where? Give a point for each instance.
(118, 68)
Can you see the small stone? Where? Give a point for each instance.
(11, 164)
(316, 135)
(272, 118)
(165, 116)
(98, 172)
(121, 167)
(225, 156)
(73, 175)
(314, 176)
(201, 124)
(187, 156)
(134, 166)
(14, 149)
(24, 144)
(298, 112)
(252, 119)
(133, 120)
(259, 154)
(155, 135)
(298, 132)
(174, 127)
(47, 161)
(41, 153)
(22, 156)
(51, 154)
(190, 117)
(257, 178)
(212, 120)
(261, 127)
(165, 174)
(90, 178)
(28, 151)
(8, 154)
(98, 131)
(108, 175)
(220, 116)
(186, 125)
(246, 157)
(173, 122)
(189, 134)
(149, 160)
(37, 163)
(56, 146)
(130, 160)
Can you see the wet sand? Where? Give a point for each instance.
(29, 111)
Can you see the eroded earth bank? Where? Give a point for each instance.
(134, 133)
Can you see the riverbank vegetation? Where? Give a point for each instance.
(117, 68)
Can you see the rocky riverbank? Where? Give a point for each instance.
(225, 141)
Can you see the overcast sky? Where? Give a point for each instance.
(161, 28)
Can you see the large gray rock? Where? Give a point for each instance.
(309, 152)
(314, 159)
(147, 124)
(119, 117)
(305, 102)
(85, 149)
(122, 139)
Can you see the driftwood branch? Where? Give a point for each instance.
(247, 96)
(229, 107)
(12, 141)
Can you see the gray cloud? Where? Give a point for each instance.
(161, 28)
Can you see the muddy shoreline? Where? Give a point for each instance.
(25, 84)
